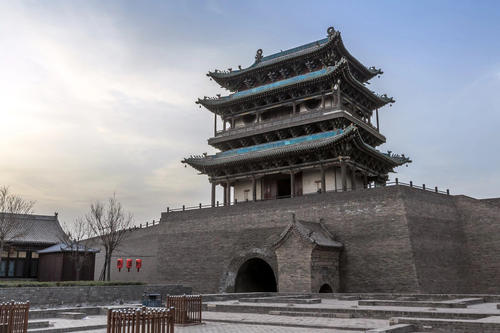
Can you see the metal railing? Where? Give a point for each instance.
(396, 182)
(187, 308)
(141, 320)
(14, 317)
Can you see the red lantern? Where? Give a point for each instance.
(119, 264)
(138, 264)
(129, 264)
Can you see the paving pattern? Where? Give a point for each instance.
(212, 327)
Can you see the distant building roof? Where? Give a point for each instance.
(37, 229)
(61, 247)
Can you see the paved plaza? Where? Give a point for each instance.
(310, 313)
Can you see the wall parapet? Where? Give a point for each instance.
(57, 296)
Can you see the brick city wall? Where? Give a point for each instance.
(325, 269)
(437, 241)
(294, 264)
(481, 223)
(396, 239)
(87, 294)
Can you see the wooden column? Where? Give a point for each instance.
(292, 183)
(294, 108)
(215, 124)
(378, 128)
(254, 189)
(343, 175)
(225, 194)
(323, 180)
(353, 179)
(213, 195)
(339, 97)
(232, 123)
(323, 101)
(223, 124)
(365, 180)
(228, 195)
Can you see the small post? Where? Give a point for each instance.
(200, 205)
(147, 224)
(183, 207)
(436, 189)
(217, 203)
(447, 191)
(411, 183)
(235, 201)
(397, 181)
(423, 186)
(168, 209)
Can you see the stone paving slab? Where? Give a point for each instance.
(474, 311)
(241, 320)
(311, 322)
(213, 327)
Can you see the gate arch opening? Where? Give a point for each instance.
(326, 288)
(255, 275)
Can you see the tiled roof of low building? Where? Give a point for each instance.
(62, 247)
(36, 229)
(313, 232)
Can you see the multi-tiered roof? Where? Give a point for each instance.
(339, 128)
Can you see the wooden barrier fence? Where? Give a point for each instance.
(141, 320)
(14, 317)
(187, 308)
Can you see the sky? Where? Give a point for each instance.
(97, 97)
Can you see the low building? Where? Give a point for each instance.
(34, 232)
(59, 263)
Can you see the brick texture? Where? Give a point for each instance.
(396, 239)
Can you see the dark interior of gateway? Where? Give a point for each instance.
(255, 275)
(283, 188)
(326, 288)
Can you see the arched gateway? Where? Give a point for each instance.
(255, 275)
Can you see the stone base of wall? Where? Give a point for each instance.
(58, 296)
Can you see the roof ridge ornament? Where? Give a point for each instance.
(258, 55)
(331, 32)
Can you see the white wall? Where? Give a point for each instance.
(310, 177)
(241, 185)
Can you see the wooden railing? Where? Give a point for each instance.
(187, 308)
(14, 317)
(141, 320)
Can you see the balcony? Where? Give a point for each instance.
(299, 119)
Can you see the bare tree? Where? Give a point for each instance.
(108, 223)
(76, 242)
(11, 205)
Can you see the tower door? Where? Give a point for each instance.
(269, 188)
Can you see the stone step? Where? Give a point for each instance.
(376, 313)
(273, 299)
(454, 303)
(311, 314)
(71, 315)
(399, 328)
(485, 325)
(32, 324)
(78, 328)
(53, 313)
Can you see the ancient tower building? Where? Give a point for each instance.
(303, 121)
(299, 121)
